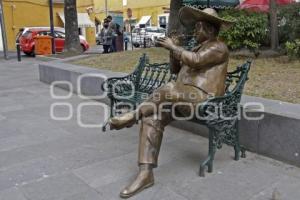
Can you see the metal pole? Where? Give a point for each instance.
(52, 25)
(18, 47)
(273, 24)
(106, 10)
(3, 30)
(130, 33)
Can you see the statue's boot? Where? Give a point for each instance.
(143, 180)
(122, 121)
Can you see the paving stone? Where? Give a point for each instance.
(158, 191)
(238, 181)
(286, 188)
(55, 147)
(57, 187)
(108, 171)
(89, 195)
(111, 170)
(12, 194)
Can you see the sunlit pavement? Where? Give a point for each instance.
(46, 159)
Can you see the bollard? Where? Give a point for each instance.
(144, 42)
(18, 51)
(126, 44)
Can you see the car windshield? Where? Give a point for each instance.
(27, 34)
(60, 34)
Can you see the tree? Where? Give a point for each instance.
(273, 25)
(174, 23)
(175, 29)
(72, 41)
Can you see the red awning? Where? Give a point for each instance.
(261, 5)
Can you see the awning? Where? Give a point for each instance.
(261, 5)
(83, 20)
(219, 4)
(144, 20)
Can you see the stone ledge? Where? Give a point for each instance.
(276, 135)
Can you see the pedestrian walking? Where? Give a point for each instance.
(113, 27)
(106, 36)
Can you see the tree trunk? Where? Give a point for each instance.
(72, 41)
(175, 30)
(273, 25)
(174, 23)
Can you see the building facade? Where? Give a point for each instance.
(153, 8)
(35, 13)
(140, 9)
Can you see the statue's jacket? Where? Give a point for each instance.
(204, 67)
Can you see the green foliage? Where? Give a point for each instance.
(249, 31)
(289, 22)
(293, 48)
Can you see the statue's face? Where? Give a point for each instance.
(201, 32)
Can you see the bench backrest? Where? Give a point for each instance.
(148, 77)
(235, 80)
(228, 105)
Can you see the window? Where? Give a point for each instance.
(124, 2)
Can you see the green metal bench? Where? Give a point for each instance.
(222, 123)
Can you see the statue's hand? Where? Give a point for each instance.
(166, 42)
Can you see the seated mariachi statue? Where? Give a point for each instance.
(202, 74)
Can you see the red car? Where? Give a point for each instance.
(26, 39)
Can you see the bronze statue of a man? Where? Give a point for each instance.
(202, 73)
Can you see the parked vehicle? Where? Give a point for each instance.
(148, 35)
(155, 32)
(27, 43)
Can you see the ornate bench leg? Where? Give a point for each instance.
(105, 125)
(203, 166)
(235, 134)
(237, 150)
(210, 158)
(243, 150)
(237, 147)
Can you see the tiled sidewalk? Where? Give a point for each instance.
(44, 159)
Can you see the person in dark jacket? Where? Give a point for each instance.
(113, 27)
(106, 36)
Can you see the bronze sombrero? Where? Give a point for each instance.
(189, 16)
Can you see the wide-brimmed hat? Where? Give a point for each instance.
(189, 16)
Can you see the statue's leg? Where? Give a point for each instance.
(151, 134)
(147, 108)
(161, 95)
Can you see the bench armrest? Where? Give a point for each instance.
(118, 84)
(127, 80)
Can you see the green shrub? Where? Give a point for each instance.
(293, 49)
(249, 31)
(289, 22)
